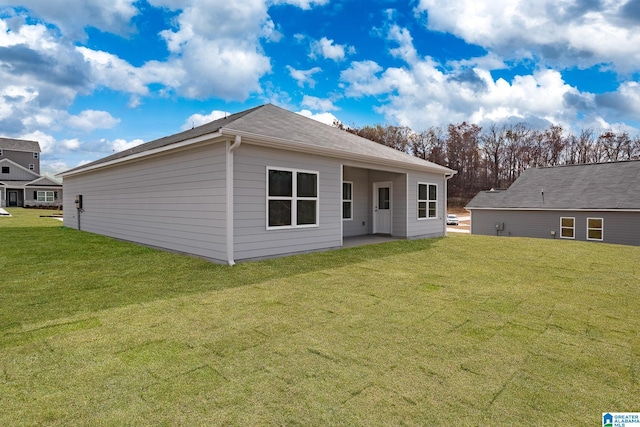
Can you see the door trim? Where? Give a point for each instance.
(16, 202)
(374, 205)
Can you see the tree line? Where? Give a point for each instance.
(495, 157)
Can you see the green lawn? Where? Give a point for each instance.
(463, 330)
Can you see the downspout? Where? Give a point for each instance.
(230, 197)
(447, 177)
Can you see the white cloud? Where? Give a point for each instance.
(89, 120)
(318, 104)
(302, 4)
(50, 168)
(70, 144)
(569, 32)
(47, 142)
(422, 94)
(326, 118)
(110, 71)
(196, 120)
(118, 145)
(328, 50)
(73, 16)
(362, 79)
(216, 45)
(405, 50)
(304, 76)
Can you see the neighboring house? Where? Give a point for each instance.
(598, 202)
(20, 182)
(261, 183)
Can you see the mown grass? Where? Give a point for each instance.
(464, 330)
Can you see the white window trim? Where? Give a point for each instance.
(601, 229)
(0, 152)
(32, 166)
(573, 228)
(347, 200)
(35, 155)
(294, 198)
(418, 200)
(45, 196)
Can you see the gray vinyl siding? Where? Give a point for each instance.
(252, 239)
(174, 201)
(16, 173)
(24, 159)
(362, 190)
(426, 227)
(619, 227)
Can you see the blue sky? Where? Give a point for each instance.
(89, 78)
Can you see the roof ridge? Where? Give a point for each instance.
(588, 164)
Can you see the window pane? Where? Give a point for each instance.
(433, 192)
(306, 212)
(595, 234)
(307, 184)
(346, 191)
(280, 183)
(567, 222)
(422, 192)
(432, 209)
(346, 210)
(595, 223)
(422, 209)
(383, 198)
(279, 213)
(567, 232)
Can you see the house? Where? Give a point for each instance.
(597, 202)
(21, 184)
(260, 183)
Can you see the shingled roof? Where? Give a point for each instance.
(19, 145)
(275, 123)
(592, 186)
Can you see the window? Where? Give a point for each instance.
(5, 169)
(45, 196)
(35, 155)
(0, 153)
(595, 227)
(292, 198)
(347, 200)
(567, 228)
(427, 201)
(31, 166)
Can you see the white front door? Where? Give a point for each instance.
(382, 207)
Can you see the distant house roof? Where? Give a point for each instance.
(589, 186)
(284, 129)
(19, 145)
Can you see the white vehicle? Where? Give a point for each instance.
(452, 219)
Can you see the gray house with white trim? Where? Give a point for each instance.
(597, 202)
(260, 183)
(21, 184)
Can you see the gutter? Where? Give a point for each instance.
(230, 197)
